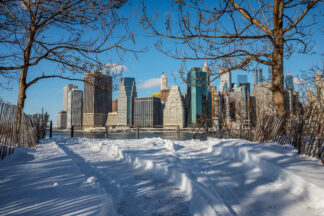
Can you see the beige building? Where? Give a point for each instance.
(174, 110)
(263, 98)
(111, 119)
(316, 98)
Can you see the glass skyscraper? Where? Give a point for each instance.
(127, 93)
(289, 81)
(242, 78)
(257, 76)
(196, 96)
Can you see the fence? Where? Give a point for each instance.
(32, 129)
(304, 130)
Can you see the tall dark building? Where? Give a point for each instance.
(147, 111)
(257, 76)
(125, 105)
(97, 99)
(74, 111)
(197, 103)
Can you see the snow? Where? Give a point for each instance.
(155, 176)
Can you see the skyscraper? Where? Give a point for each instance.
(289, 81)
(207, 70)
(242, 78)
(74, 111)
(147, 111)
(66, 91)
(97, 99)
(269, 73)
(174, 110)
(61, 120)
(226, 81)
(257, 76)
(164, 82)
(263, 97)
(197, 95)
(216, 107)
(127, 93)
(319, 87)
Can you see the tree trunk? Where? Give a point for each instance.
(278, 82)
(277, 57)
(23, 85)
(21, 100)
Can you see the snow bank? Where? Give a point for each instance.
(159, 170)
(267, 156)
(151, 176)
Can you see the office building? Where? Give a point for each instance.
(127, 93)
(174, 110)
(66, 91)
(216, 107)
(61, 120)
(289, 100)
(246, 87)
(319, 88)
(263, 97)
(97, 99)
(197, 97)
(239, 105)
(74, 109)
(164, 94)
(270, 73)
(147, 112)
(241, 78)
(111, 119)
(114, 106)
(257, 76)
(316, 98)
(289, 81)
(164, 82)
(207, 70)
(226, 81)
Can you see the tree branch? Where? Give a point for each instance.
(307, 9)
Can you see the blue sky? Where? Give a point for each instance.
(48, 94)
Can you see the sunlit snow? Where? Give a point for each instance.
(154, 176)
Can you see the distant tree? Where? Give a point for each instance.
(69, 34)
(237, 33)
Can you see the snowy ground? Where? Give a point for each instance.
(160, 177)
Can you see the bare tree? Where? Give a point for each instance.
(73, 35)
(236, 33)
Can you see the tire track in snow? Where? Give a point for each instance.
(131, 201)
(205, 199)
(90, 171)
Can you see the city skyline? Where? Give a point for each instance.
(200, 102)
(218, 86)
(147, 67)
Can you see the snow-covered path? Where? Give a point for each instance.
(162, 177)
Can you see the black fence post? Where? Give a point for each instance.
(51, 129)
(137, 133)
(106, 135)
(72, 131)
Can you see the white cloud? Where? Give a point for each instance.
(150, 83)
(299, 81)
(115, 68)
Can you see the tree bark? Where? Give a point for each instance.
(278, 81)
(23, 85)
(277, 58)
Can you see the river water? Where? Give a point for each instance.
(163, 135)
